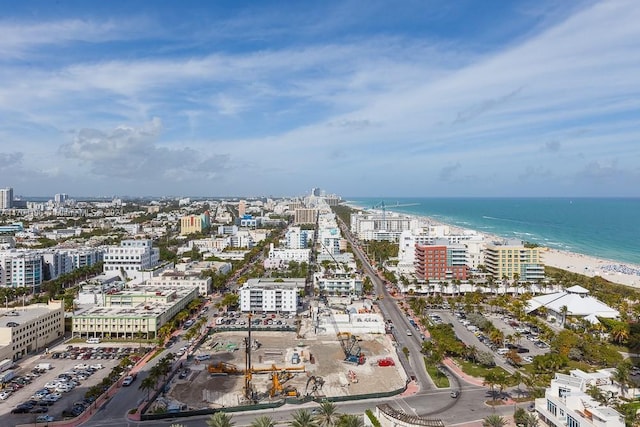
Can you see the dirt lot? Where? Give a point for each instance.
(200, 389)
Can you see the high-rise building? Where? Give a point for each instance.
(315, 192)
(441, 262)
(60, 198)
(242, 208)
(6, 198)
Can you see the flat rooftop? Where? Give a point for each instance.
(21, 315)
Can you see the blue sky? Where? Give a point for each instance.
(361, 98)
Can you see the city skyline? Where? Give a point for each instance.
(362, 98)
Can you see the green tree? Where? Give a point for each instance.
(262, 421)
(328, 415)
(220, 419)
(148, 384)
(348, 420)
(494, 420)
(303, 418)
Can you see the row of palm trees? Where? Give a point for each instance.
(327, 416)
(159, 371)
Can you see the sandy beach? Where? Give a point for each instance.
(614, 271)
(617, 272)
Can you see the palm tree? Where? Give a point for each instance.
(620, 332)
(149, 383)
(301, 418)
(262, 421)
(328, 415)
(348, 420)
(564, 310)
(494, 420)
(220, 419)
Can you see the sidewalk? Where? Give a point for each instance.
(451, 364)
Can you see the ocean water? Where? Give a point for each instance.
(606, 228)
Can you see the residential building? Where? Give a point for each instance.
(381, 225)
(297, 238)
(132, 312)
(191, 224)
(131, 258)
(27, 329)
(441, 262)
(242, 208)
(6, 198)
(261, 296)
(510, 257)
(305, 216)
(338, 283)
(567, 404)
(298, 255)
(330, 239)
(20, 268)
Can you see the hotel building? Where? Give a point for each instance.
(441, 262)
(20, 268)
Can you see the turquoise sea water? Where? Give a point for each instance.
(602, 227)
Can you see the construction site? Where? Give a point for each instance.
(322, 359)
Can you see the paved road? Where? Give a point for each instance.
(428, 402)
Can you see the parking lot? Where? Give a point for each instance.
(234, 320)
(523, 339)
(53, 386)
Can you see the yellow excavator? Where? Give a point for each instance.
(277, 385)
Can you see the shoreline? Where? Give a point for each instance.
(619, 272)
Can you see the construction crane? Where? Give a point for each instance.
(248, 392)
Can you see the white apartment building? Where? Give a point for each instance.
(566, 403)
(27, 329)
(211, 244)
(272, 297)
(381, 225)
(433, 235)
(298, 255)
(330, 241)
(338, 284)
(133, 311)
(242, 239)
(20, 268)
(296, 238)
(61, 261)
(131, 258)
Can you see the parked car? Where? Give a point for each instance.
(44, 419)
(454, 394)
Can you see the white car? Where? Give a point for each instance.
(202, 357)
(52, 384)
(44, 419)
(53, 397)
(128, 380)
(64, 388)
(4, 395)
(97, 366)
(81, 366)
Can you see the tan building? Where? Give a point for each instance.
(504, 259)
(27, 329)
(126, 314)
(306, 216)
(182, 279)
(191, 224)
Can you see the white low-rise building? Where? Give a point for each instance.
(338, 284)
(298, 255)
(131, 257)
(133, 312)
(269, 296)
(566, 403)
(174, 278)
(27, 329)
